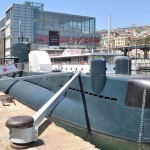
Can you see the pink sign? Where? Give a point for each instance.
(75, 51)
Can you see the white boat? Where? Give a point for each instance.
(78, 60)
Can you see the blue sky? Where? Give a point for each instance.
(124, 13)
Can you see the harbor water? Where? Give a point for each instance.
(104, 142)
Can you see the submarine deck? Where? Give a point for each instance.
(51, 137)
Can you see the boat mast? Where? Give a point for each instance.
(109, 28)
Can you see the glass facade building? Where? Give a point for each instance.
(28, 22)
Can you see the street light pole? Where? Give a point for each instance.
(135, 54)
(128, 58)
(109, 28)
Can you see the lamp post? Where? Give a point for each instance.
(128, 48)
(135, 53)
(128, 58)
(109, 28)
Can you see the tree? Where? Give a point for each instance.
(139, 40)
(144, 41)
(147, 40)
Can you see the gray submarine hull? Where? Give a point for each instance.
(117, 110)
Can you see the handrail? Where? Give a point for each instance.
(50, 104)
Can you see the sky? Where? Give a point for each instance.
(124, 13)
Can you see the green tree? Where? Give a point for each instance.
(139, 41)
(147, 40)
(144, 41)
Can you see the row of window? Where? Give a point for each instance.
(38, 22)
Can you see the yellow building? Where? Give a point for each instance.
(121, 41)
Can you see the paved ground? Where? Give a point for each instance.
(51, 137)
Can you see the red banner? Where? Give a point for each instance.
(71, 40)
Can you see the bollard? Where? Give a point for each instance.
(22, 131)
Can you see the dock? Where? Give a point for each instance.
(51, 137)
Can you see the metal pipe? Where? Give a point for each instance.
(135, 55)
(128, 59)
(51, 104)
(26, 134)
(109, 28)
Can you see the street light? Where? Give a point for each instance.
(128, 48)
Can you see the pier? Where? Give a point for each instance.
(51, 137)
